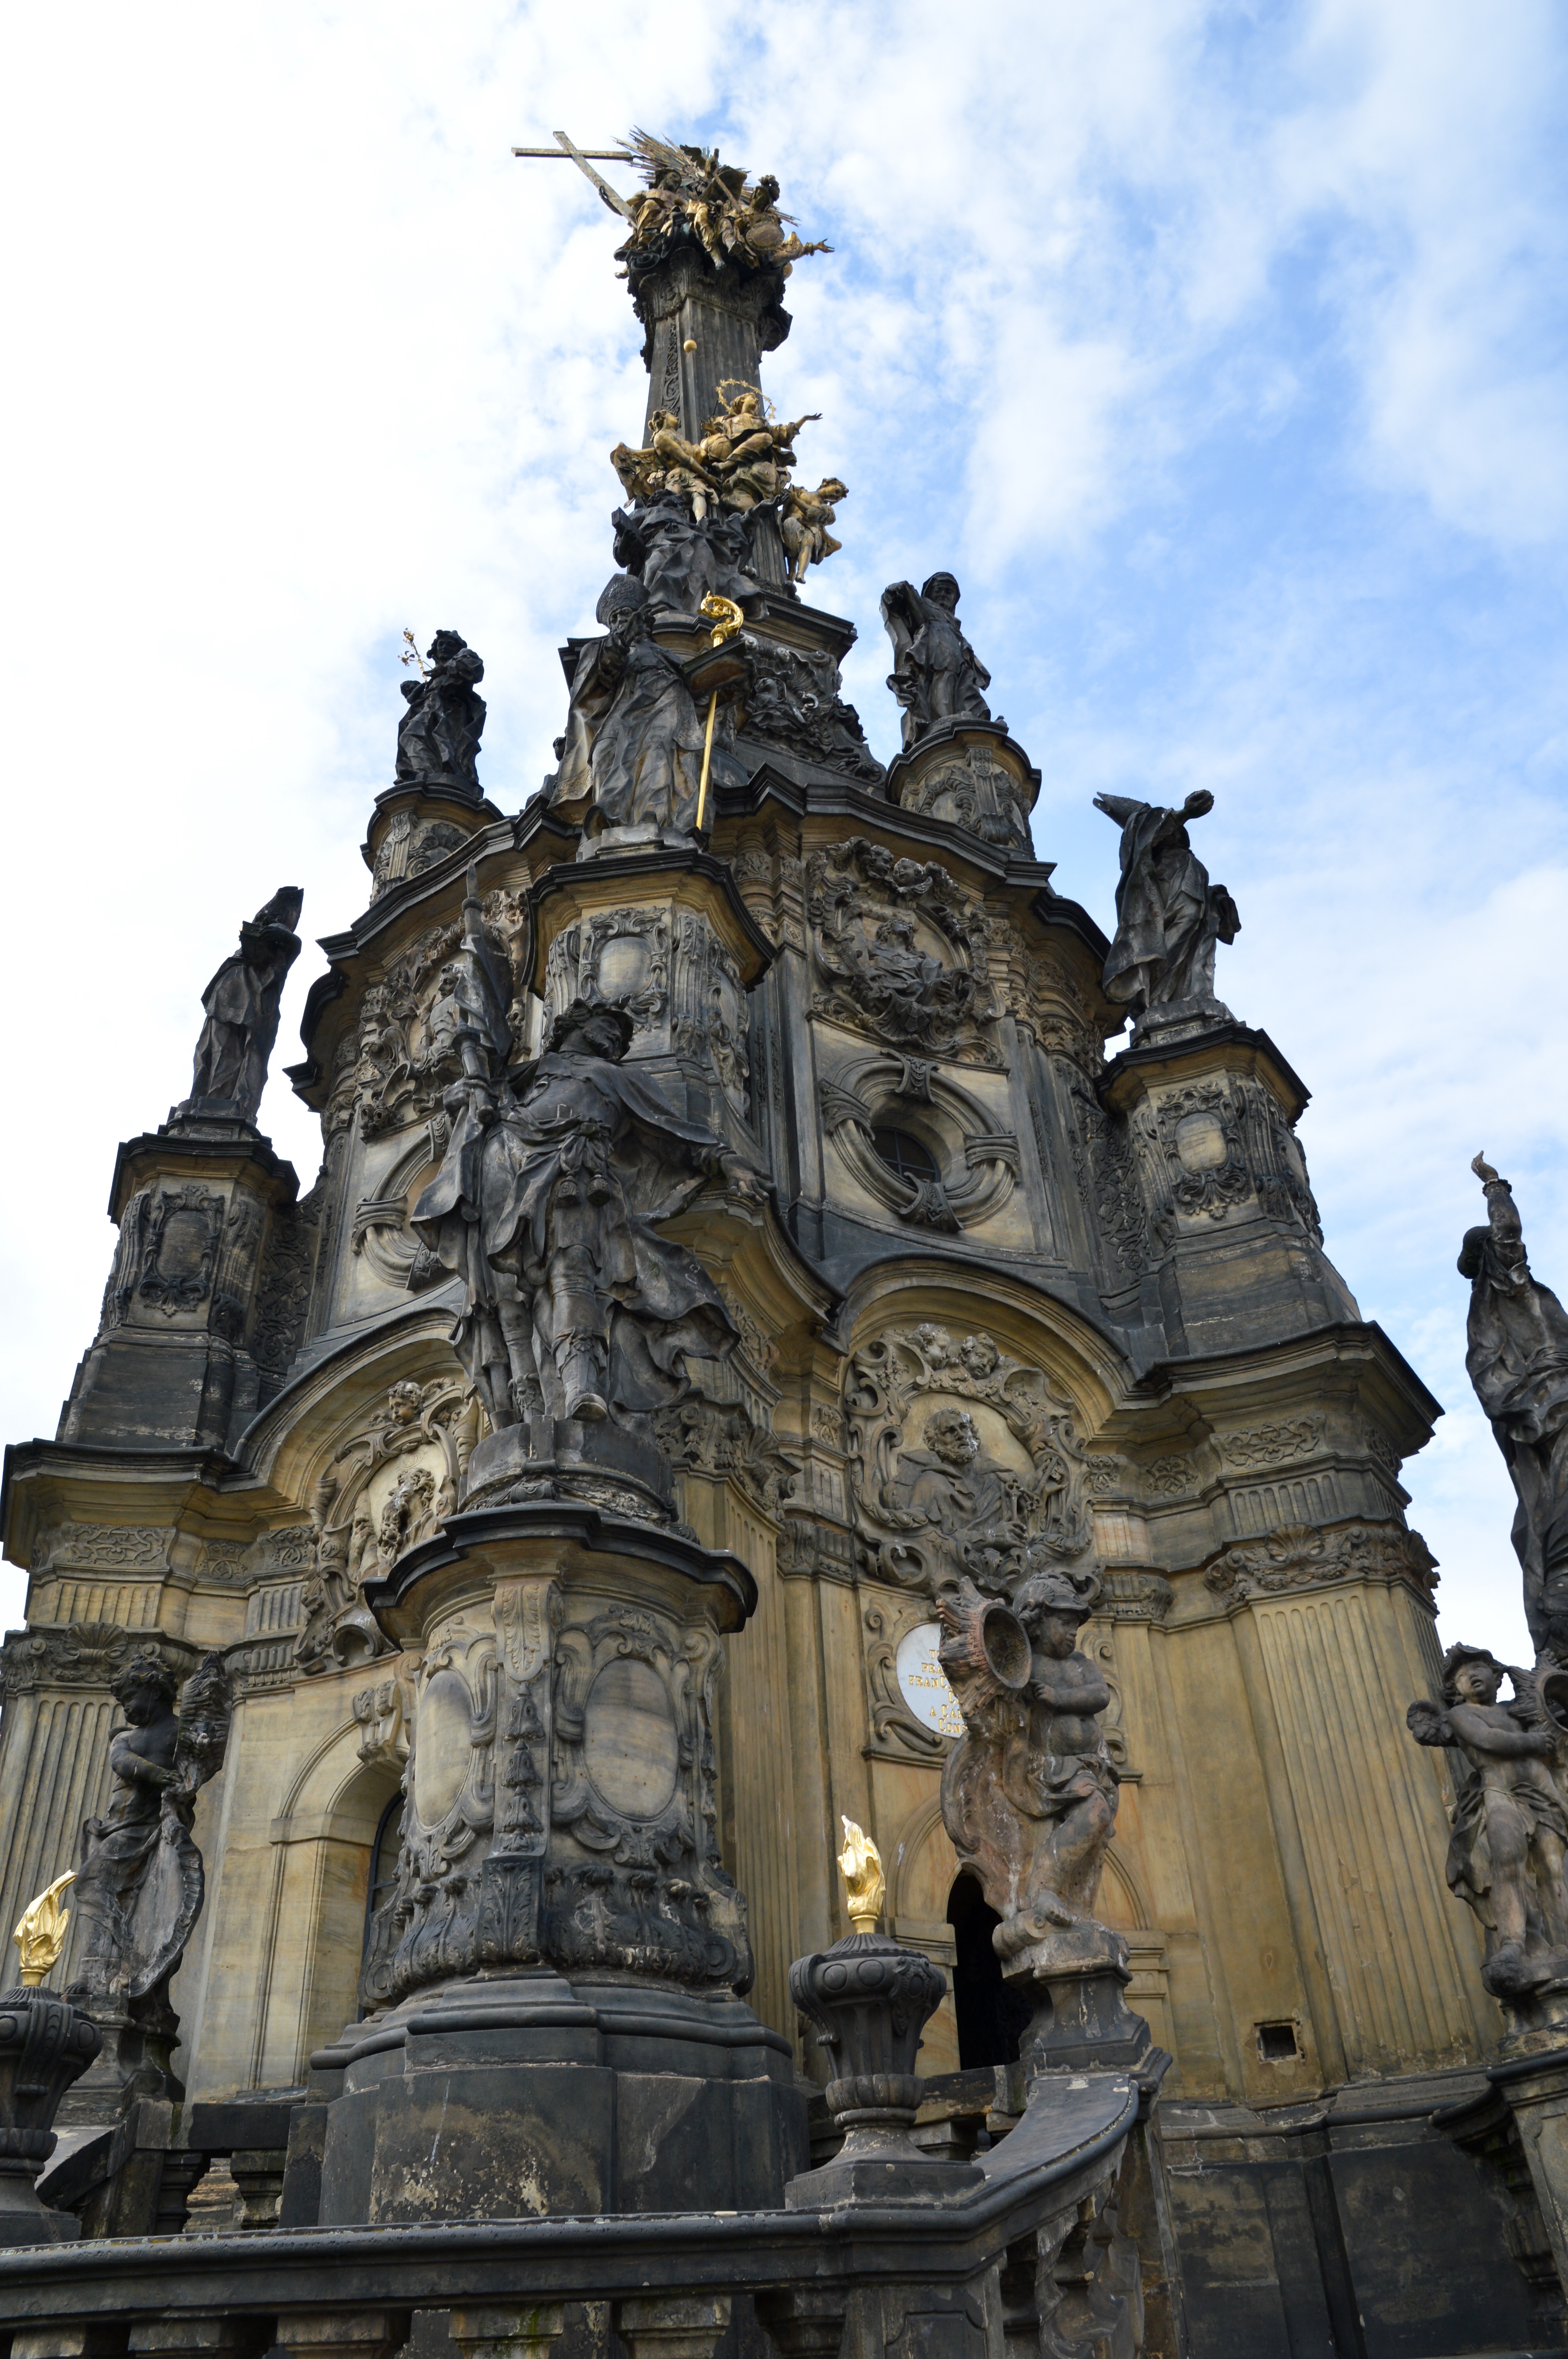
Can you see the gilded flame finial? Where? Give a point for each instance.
(861, 1865)
(40, 1932)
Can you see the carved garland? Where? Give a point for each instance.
(349, 1549)
(1298, 1556)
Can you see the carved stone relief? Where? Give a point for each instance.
(1108, 1155)
(900, 950)
(1200, 1130)
(977, 1165)
(1170, 1478)
(388, 1487)
(395, 1068)
(972, 790)
(1272, 1445)
(384, 1715)
(964, 1463)
(728, 1440)
(792, 698)
(179, 1247)
(618, 954)
(381, 1233)
(675, 978)
(1300, 1557)
(531, 1829)
(410, 846)
(83, 1655)
(131, 1548)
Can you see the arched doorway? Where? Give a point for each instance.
(992, 2018)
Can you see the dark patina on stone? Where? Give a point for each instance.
(44, 2045)
(869, 1999)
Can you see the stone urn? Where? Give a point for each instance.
(44, 2045)
(869, 1999)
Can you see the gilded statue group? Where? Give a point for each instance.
(689, 192)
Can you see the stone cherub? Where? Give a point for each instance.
(437, 738)
(936, 675)
(632, 757)
(242, 1003)
(140, 1885)
(1518, 1362)
(1029, 1794)
(546, 1204)
(1510, 1829)
(1168, 916)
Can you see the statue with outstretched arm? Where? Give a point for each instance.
(1168, 916)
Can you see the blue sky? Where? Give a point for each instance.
(1218, 350)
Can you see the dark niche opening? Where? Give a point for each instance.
(905, 1154)
(383, 1864)
(992, 2018)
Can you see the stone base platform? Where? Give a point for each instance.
(534, 2095)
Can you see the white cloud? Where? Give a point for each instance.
(1125, 299)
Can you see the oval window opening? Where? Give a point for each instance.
(905, 1154)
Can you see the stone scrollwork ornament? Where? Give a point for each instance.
(361, 1525)
(872, 918)
(965, 1463)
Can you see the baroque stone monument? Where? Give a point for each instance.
(766, 1353)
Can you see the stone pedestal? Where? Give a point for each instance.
(556, 2023)
(663, 931)
(1202, 1115)
(133, 2063)
(869, 1999)
(972, 774)
(181, 1354)
(414, 828)
(1534, 2087)
(1081, 2021)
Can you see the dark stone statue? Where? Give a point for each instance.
(632, 761)
(680, 560)
(1168, 916)
(437, 738)
(936, 675)
(1511, 1829)
(141, 1885)
(1517, 1361)
(1029, 1800)
(546, 1204)
(242, 1003)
